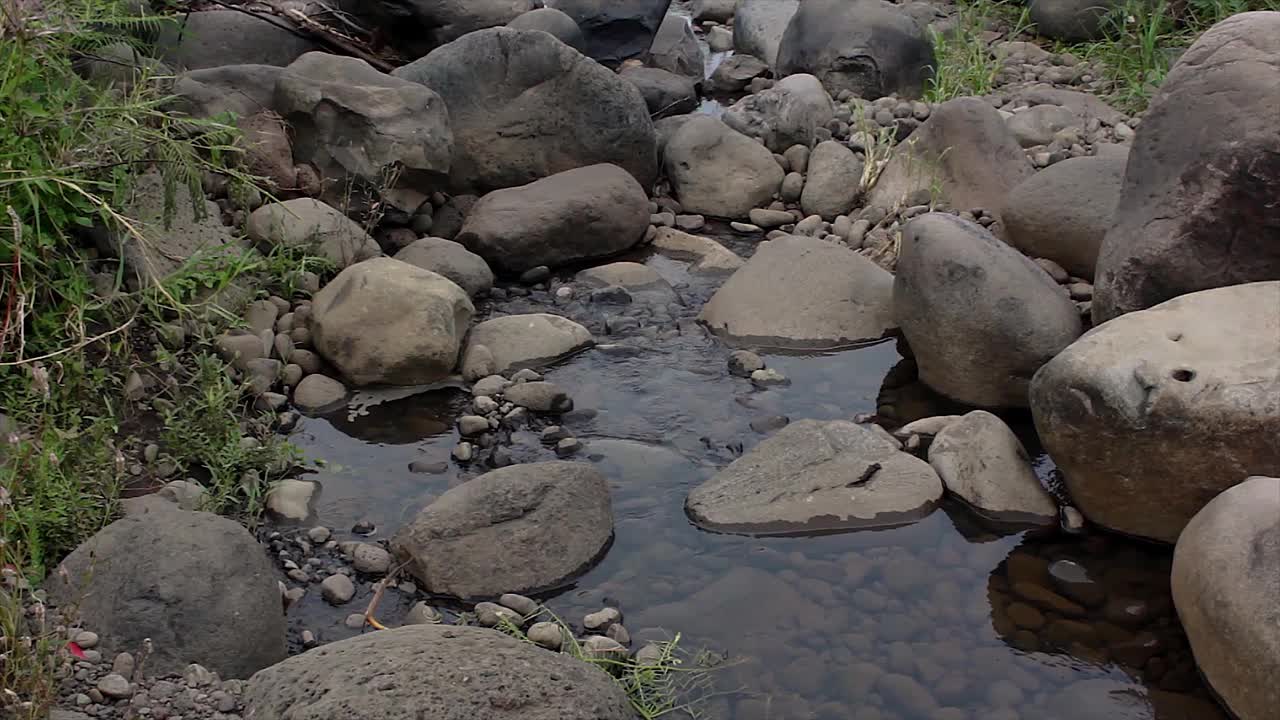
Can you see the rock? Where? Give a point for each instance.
(744, 362)
(554, 22)
(665, 93)
(768, 377)
(386, 321)
(370, 559)
(1074, 581)
(432, 671)
(980, 317)
(1187, 218)
(290, 499)
(460, 544)
(472, 425)
(575, 215)
(541, 397)
(268, 152)
(1063, 212)
(964, 151)
(715, 170)
(640, 281)
(600, 647)
(1226, 577)
(799, 292)
(115, 687)
(386, 125)
(337, 589)
(524, 106)
(1072, 20)
(834, 181)
(422, 614)
(770, 219)
(736, 72)
(308, 224)
(547, 635)
(800, 478)
(675, 48)
(225, 37)
(982, 462)
(866, 47)
(165, 576)
(1113, 409)
(242, 90)
(600, 620)
(450, 259)
(716, 10)
(789, 113)
(526, 607)
(317, 393)
(719, 39)
(416, 28)
(1039, 124)
(708, 256)
(758, 26)
(525, 341)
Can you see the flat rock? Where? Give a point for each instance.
(983, 463)
(515, 342)
(708, 256)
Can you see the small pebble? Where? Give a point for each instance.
(115, 686)
(602, 619)
(768, 377)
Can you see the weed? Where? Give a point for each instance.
(965, 64)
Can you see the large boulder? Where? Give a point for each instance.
(361, 126)
(675, 48)
(444, 672)
(789, 113)
(242, 90)
(979, 316)
(450, 259)
(1156, 412)
(1226, 579)
(615, 30)
(310, 225)
(416, 27)
(868, 47)
(803, 293)
(520, 529)
(580, 214)
(814, 475)
(715, 170)
(524, 105)
(984, 464)
(549, 20)
(516, 342)
(1197, 209)
(1072, 20)
(964, 152)
(197, 584)
(215, 38)
(1063, 211)
(665, 93)
(832, 182)
(383, 321)
(758, 26)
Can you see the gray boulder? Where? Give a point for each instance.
(317, 392)
(1226, 578)
(868, 47)
(385, 125)
(736, 72)
(309, 224)
(580, 214)
(665, 93)
(462, 544)
(524, 105)
(450, 259)
(963, 151)
(979, 316)
(803, 293)
(383, 321)
(675, 48)
(552, 21)
(1154, 413)
(1063, 212)
(984, 464)
(615, 30)
(1072, 20)
(833, 182)
(789, 113)
(516, 342)
(239, 89)
(800, 479)
(758, 26)
(434, 671)
(1037, 125)
(215, 38)
(1188, 217)
(197, 584)
(416, 27)
(715, 170)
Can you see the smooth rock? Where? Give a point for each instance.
(982, 462)
(310, 225)
(317, 392)
(708, 256)
(290, 499)
(789, 113)
(758, 26)
(450, 259)
(833, 183)
(523, 341)
(717, 171)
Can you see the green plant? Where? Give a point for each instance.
(965, 64)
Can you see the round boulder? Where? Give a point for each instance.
(434, 671)
(789, 113)
(522, 528)
(868, 47)
(1072, 20)
(554, 22)
(524, 105)
(615, 30)
(717, 171)
(309, 224)
(758, 26)
(450, 259)
(517, 342)
(197, 584)
(675, 48)
(1226, 578)
(833, 182)
(416, 28)
(387, 322)
(979, 316)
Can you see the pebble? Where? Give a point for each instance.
(115, 686)
(86, 640)
(744, 228)
(744, 362)
(536, 275)
(1073, 580)
(525, 375)
(422, 614)
(337, 589)
(546, 634)
(768, 377)
(618, 633)
(472, 425)
(371, 559)
(355, 621)
(428, 467)
(521, 604)
(554, 434)
(485, 405)
(491, 615)
(464, 452)
(599, 646)
(568, 446)
(769, 423)
(602, 619)
(489, 386)
(123, 665)
(690, 223)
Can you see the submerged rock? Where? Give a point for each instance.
(515, 342)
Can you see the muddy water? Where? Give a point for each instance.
(941, 619)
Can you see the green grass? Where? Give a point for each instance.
(966, 66)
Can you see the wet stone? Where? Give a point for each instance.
(1073, 580)
(742, 363)
(1046, 599)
